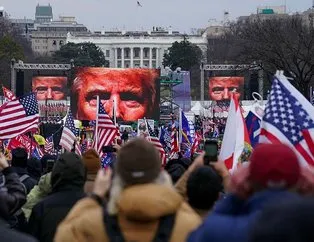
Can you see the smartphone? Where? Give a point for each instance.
(109, 149)
(211, 151)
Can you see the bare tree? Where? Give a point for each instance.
(278, 43)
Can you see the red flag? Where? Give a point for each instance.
(174, 140)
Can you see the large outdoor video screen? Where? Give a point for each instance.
(50, 87)
(221, 88)
(135, 93)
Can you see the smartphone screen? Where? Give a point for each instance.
(211, 151)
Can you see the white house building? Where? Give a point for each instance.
(127, 49)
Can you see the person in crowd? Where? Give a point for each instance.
(289, 221)
(203, 180)
(50, 87)
(19, 163)
(34, 168)
(67, 182)
(270, 176)
(143, 204)
(132, 91)
(175, 169)
(92, 163)
(125, 136)
(38, 193)
(12, 197)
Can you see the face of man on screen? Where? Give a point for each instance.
(126, 89)
(221, 88)
(51, 88)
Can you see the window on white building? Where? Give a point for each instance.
(107, 53)
(136, 53)
(146, 53)
(127, 53)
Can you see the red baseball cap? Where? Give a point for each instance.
(274, 166)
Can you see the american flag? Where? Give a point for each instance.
(106, 131)
(155, 141)
(37, 153)
(196, 143)
(174, 140)
(69, 135)
(289, 119)
(8, 94)
(19, 116)
(48, 148)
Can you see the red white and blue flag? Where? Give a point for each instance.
(48, 147)
(155, 141)
(8, 94)
(106, 131)
(289, 119)
(174, 140)
(69, 135)
(19, 116)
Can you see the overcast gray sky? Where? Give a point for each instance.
(125, 14)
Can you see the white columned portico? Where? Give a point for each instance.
(150, 57)
(132, 56)
(115, 57)
(122, 57)
(142, 58)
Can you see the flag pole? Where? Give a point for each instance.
(180, 125)
(96, 127)
(146, 124)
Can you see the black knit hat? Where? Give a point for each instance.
(19, 157)
(138, 162)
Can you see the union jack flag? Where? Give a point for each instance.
(289, 119)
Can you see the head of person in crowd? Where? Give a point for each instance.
(175, 169)
(68, 171)
(50, 87)
(221, 88)
(138, 162)
(19, 157)
(289, 221)
(92, 163)
(203, 189)
(271, 166)
(34, 168)
(132, 91)
(47, 162)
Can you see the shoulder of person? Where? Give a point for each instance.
(83, 223)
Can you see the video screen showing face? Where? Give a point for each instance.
(221, 88)
(50, 87)
(135, 93)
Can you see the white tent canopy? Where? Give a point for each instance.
(197, 109)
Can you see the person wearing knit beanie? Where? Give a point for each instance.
(91, 161)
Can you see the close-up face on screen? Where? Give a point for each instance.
(134, 92)
(50, 87)
(221, 88)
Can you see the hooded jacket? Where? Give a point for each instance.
(67, 181)
(139, 209)
(38, 193)
(232, 217)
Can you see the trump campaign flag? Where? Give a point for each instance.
(235, 138)
(253, 123)
(289, 119)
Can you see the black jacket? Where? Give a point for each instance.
(29, 183)
(67, 180)
(12, 193)
(7, 234)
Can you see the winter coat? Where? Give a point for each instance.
(67, 181)
(232, 218)
(140, 208)
(38, 193)
(12, 193)
(29, 182)
(10, 235)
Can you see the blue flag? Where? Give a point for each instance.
(253, 124)
(186, 136)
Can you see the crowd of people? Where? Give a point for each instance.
(71, 198)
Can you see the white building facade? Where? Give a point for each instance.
(136, 49)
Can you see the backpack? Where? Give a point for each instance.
(163, 233)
